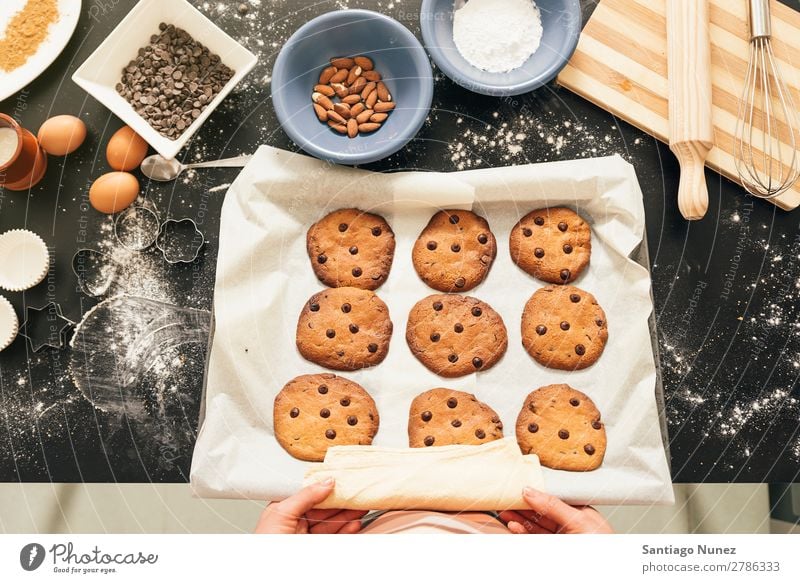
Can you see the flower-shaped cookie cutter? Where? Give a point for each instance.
(180, 241)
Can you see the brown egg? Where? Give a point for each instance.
(62, 134)
(126, 149)
(113, 192)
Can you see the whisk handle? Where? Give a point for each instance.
(692, 189)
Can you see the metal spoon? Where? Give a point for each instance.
(158, 168)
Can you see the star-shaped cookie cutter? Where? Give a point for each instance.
(48, 318)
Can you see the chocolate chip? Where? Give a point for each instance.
(330, 333)
(376, 231)
(435, 337)
(324, 413)
(352, 420)
(342, 227)
(574, 402)
(455, 247)
(527, 232)
(597, 425)
(477, 362)
(495, 419)
(345, 402)
(539, 221)
(589, 449)
(580, 349)
(533, 427)
(538, 252)
(353, 328)
(314, 307)
(437, 306)
(565, 274)
(353, 250)
(541, 330)
(429, 440)
(322, 389)
(476, 311)
(563, 434)
(460, 282)
(455, 423)
(564, 326)
(599, 322)
(454, 219)
(458, 328)
(372, 348)
(453, 358)
(357, 272)
(321, 258)
(452, 402)
(346, 308)
(294, 412)
(330, 434)
(562, 226)
(567, 248)
(432, 245)
(483, 239)
(427, 415)
(480, 433)
(574, 298)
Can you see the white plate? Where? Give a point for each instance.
(60, 33)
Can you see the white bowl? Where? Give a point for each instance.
(100, 73)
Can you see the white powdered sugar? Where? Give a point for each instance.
(497, 35)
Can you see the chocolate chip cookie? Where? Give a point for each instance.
(316, 411)
(562, 426)
(455, 335)
(447, 417)
(344, 328)
(350, 247)
(564, 327)
(455, 251)
(552, 244)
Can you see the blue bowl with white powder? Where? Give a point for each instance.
(501, 47)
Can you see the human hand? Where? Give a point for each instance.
(549, 515)
(296, 514)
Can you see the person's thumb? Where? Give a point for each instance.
(297, 505)
(550, 507)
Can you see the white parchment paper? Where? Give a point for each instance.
(264, 277)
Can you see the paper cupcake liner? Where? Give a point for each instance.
(15, 275)
(9, 324)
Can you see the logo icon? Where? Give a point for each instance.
(31, 556)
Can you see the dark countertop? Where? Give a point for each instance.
(725, 288)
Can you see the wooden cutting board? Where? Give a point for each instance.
(621, 65)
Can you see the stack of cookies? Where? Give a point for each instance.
(347, 327)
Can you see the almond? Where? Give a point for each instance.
(354, 74)
(325, 76)
(339, 127)
(364, 116)
(326, 90)
(384, 106)
(342, 109)
(321, 112)
(335, 117)
(339, 76)
(367, 89)
(358, 86)
(383, 92)
(371, 75)
(378, 117)
(365, 63)
(351, 99)
(342, 62)
(371, 99)
(357, 108)
(341, 90)
(322, 100)
(352, 128)
(366, 128)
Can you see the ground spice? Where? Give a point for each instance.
(25, 32)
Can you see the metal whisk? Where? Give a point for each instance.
(766, 138)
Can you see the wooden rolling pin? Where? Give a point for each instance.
(691, 132)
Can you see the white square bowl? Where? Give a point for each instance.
(100, 73)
